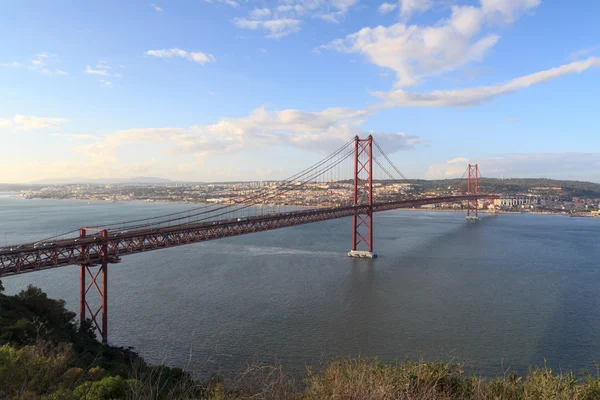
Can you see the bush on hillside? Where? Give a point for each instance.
(44, 353)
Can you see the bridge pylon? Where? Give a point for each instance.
(362, 223)
(101, 273)
(473, 189)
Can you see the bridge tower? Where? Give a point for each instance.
(362, 222)
(473, 190)
(101, 287)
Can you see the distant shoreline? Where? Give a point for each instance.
(110, 201)
(17, 196)
(485, 211)
(447, 210)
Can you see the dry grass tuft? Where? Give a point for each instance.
(360, 379)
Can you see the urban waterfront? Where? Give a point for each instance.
(508, 291)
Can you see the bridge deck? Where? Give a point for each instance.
(73, 251)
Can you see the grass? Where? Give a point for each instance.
(357, 379)
(364, 379)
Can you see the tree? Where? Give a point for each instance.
(87, 328)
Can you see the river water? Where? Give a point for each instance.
(505, 292)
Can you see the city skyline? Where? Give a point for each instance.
(223, 90)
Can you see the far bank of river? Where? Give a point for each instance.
(17, 196)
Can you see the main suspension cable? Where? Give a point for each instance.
(125, 224)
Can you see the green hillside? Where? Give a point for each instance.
(517, 185)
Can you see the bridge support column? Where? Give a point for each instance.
(473, 189)
(99, 322)
(362, 222)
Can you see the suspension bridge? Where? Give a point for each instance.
(360, 166)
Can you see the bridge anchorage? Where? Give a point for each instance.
(92, 249)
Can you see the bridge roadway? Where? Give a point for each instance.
(89, 250)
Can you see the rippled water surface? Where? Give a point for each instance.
(509, 290)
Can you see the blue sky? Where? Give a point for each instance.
(233, 89)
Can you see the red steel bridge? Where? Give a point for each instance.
(94, 247)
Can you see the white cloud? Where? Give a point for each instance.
(450, 169)
(48, 72)
(156, 8)
(29, 122)
(410, 7)
(320, 131)
(289, 9)
(276, 28)
(259, 13)
(385, 8)
(91, 71)
(231, 3)
(287, 17)
(75, 136)
(330, 11)
(474, 96)
(41, 58)
(102, 69)
(416, 52)
(533, 165)
(197, 57)
(332, 16)
(506, 11)
(12, 64)
(38, 64)
(584, 52)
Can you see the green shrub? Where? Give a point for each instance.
(108, 388)
(39, 369)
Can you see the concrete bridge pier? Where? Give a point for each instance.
(362, 254)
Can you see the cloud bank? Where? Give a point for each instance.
(416, 52)
(475, 96)
(576, 166)
(29, 122)
(320, 131)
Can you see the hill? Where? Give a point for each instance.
(112, 181)
(518, 186)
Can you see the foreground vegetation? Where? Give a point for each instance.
(44, 356)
